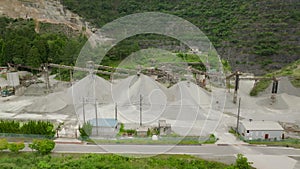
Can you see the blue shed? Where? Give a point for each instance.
(106, 127)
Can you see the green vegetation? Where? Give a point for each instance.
(16, 147)
(233, 131)
(242, 31)
(128, 132)
(3, 144)
(211, 140)
(226, 65)
(153, 131)
(93, 161)
(259, 87)
(31, 127)
(20, 44)
(85, 131)
(242, 162)
(292, 71)
(188, 140)
(289, 142)
(43, 147)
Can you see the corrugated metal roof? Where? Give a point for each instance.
(261, 125)
(104, 122)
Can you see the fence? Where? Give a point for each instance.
(33, 136)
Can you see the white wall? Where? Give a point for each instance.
(254, 135)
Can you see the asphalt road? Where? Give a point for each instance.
(262, 156)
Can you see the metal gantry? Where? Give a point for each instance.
(238, 78)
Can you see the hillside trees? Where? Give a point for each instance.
(241, 31)
(20, 44)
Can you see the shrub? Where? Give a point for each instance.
(16, 147)
(242, 162)
(42, 146)
(86, 130)
(3, 144)
(31, 127)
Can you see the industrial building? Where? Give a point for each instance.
(266, 130)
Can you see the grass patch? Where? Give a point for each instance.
(292, 70)
(289, 142)
(296, 82)
(163, 140)
(259, 87)
(91, 161)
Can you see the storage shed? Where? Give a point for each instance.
(267, 130)
(104, 127)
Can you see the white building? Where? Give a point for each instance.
(267, 130)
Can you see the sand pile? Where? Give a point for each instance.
(183, 105)
(89, 88)
(278, 103)
(285, 89)
(284, 86)
(127, 92)
(49, 103)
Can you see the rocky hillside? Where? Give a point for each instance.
(44, 11)
(256, 36)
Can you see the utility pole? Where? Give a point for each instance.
(238, 116)
(141, 100)
(237, 79)
(83, 110)
(116, 111)
(274, 89)
(46, 77)
(96, 117)
(71, 78)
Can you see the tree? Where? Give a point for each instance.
(33, 58)
(3, 144)
(42, 146)
(86, 130)
(16, 147)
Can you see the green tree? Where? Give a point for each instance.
(3, 144)
(16, 147)
(86, 130)
(33, 58)
(42, 146)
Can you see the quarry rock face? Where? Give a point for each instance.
(50, 11)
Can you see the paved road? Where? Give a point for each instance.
(262, 157)
(219, 150)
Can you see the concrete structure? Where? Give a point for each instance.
(13, 79)
(104, 127)
(164, 127)
(267, 130)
